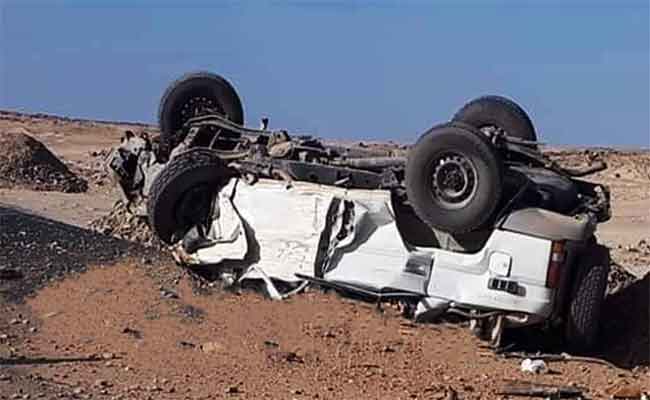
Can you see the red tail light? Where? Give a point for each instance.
(555, 262)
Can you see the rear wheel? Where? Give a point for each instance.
(454, 178)
(585, 303)
(497, 113)
(182, 195)
(193, 95)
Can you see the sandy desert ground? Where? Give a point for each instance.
(86, 315)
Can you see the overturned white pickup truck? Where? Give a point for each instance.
(473, 221)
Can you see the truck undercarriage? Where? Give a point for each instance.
(473, 219)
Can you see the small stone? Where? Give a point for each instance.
(211, 347)
(108, 356)
(451, 395)
(625, 390)
(168, 293)
(232, 390)
(102, 383)
(32, 329)
(78, 391)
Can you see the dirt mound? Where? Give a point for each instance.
(119, 222)
(26, 162)
(625, 325)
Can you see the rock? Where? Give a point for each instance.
(168, 293)
(132, 332)
(108, 356)
(211, 347)
(232, 390)
(102, 383)
(451, 395)
(624, 390)
(183, 343)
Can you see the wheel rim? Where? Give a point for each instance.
(198, 106)
(453, 182)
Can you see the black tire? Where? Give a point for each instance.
(455, 153)
(499, 112)
(208, 90)
(181, 195)
(587, 295)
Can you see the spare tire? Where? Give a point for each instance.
(193, 95)
(497, 112)
(454, 178)
(182, 195)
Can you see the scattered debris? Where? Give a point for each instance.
(530, 389)
(535, 366)
(121, 223)
(554, 357)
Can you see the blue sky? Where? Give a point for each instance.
(340, 69)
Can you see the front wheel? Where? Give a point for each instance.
(182, 195)
(585, 303)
